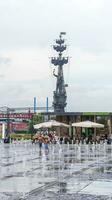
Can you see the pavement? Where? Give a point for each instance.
(65, 172)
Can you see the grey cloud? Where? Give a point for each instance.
(21, 93)
(30, 24)
(26, 24)
(5, 60)
(90, 98)
(2, 76)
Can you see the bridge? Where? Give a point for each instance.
(20, 112)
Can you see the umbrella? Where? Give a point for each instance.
(50, 124)
(88, 124)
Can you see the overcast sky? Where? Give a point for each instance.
(28, 28)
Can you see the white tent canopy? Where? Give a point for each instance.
(88, 124)
(50, 124)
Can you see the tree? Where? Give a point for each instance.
(36, 119)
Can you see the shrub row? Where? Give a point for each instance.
(19, 136)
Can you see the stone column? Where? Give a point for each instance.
(3, 131)
(109, 125)
(95, 128)
(70, 130)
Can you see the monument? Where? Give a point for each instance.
(59, 95)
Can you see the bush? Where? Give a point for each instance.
(19, 136)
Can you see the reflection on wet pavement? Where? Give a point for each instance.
(65, 172)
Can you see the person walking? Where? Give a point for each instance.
(40, 141)
(46, 142)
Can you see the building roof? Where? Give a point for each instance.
(78, 113)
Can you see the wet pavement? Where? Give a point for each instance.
(66, 172)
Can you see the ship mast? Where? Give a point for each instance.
(59, 95)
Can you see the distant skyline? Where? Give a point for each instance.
(27, 31)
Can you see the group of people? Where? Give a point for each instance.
(44, 139)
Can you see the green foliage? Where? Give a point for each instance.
(21, 132)
(37, 118)
(20, 136)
